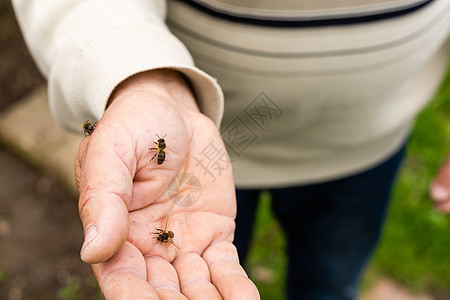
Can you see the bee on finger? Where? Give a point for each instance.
(88, 127)
(160, 150)
(164, 236)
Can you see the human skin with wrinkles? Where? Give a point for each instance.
(123, 197)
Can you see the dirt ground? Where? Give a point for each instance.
(40, 232)
(18, 73)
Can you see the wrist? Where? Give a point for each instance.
(168, 84)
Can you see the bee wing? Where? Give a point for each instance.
(173, 243)
(169, 148)
(167, 223)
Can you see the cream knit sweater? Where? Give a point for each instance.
(314, 90)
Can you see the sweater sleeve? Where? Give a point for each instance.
(86, 48)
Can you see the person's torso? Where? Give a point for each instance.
(307, 81)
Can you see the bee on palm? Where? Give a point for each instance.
(88, 127)
(164, 236)
(160, 150)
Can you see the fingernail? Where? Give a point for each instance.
(89, 236)
(439, 192)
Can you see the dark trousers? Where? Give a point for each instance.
(331, 228)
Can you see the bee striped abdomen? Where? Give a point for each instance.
(161, 157)
(163, 237)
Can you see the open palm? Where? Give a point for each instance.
(124, 196)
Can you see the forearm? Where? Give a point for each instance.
(88, 48)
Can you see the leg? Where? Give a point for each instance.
(157, 235)
(154, 149)
(155, 153)
(332, 229)
(247, 201)
(159, 231)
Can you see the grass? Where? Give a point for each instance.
(266, 259)
(72, 289)
(414, 248)
(2, 275)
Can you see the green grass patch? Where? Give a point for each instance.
(72, 290)
(414, 248)
(266, 263)
(2, 275)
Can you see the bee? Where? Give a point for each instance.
(164, 236)
(88, 127)
(160, 150)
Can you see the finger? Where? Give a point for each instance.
(106, 226)
(124, 276)
(105, 186)
(227, 274)
(440, 188)
(163, 278)
(195, 280)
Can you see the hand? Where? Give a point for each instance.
(440, 188)
(123, 197)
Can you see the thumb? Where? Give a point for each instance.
(440, 187)
(105, 187)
